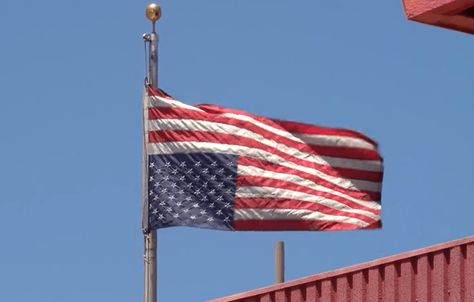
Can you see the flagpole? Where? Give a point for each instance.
(153, 13)
(279, 262)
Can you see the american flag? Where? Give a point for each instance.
(219, 168)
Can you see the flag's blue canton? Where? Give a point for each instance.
(193, 189)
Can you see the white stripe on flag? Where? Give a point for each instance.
(322, 140)
(254, 171)
(157, 101)
(298, 137)
(212, 127)
(334, 140)
(270, 192)
(284, 214)
(195, 147)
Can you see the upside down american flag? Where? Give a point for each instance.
(220, 168)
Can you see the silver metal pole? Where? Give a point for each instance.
(153, 13)
(150, 267)
(153, 65)
(279, 262)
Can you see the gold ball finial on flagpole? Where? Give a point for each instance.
(153, 12)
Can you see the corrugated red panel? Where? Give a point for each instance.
(452, 14)
(443, 272)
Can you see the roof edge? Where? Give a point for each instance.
(349, 269)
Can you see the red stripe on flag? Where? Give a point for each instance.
(332, 151)
(277, 203)
(290, 126)
(297, 225)
(311, 129)
(262, 164)
(152, 91)
(220, 138)
(250, 181)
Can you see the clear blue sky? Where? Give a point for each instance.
(70, 90)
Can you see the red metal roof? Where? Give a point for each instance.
(452, 14)
(443, 272)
